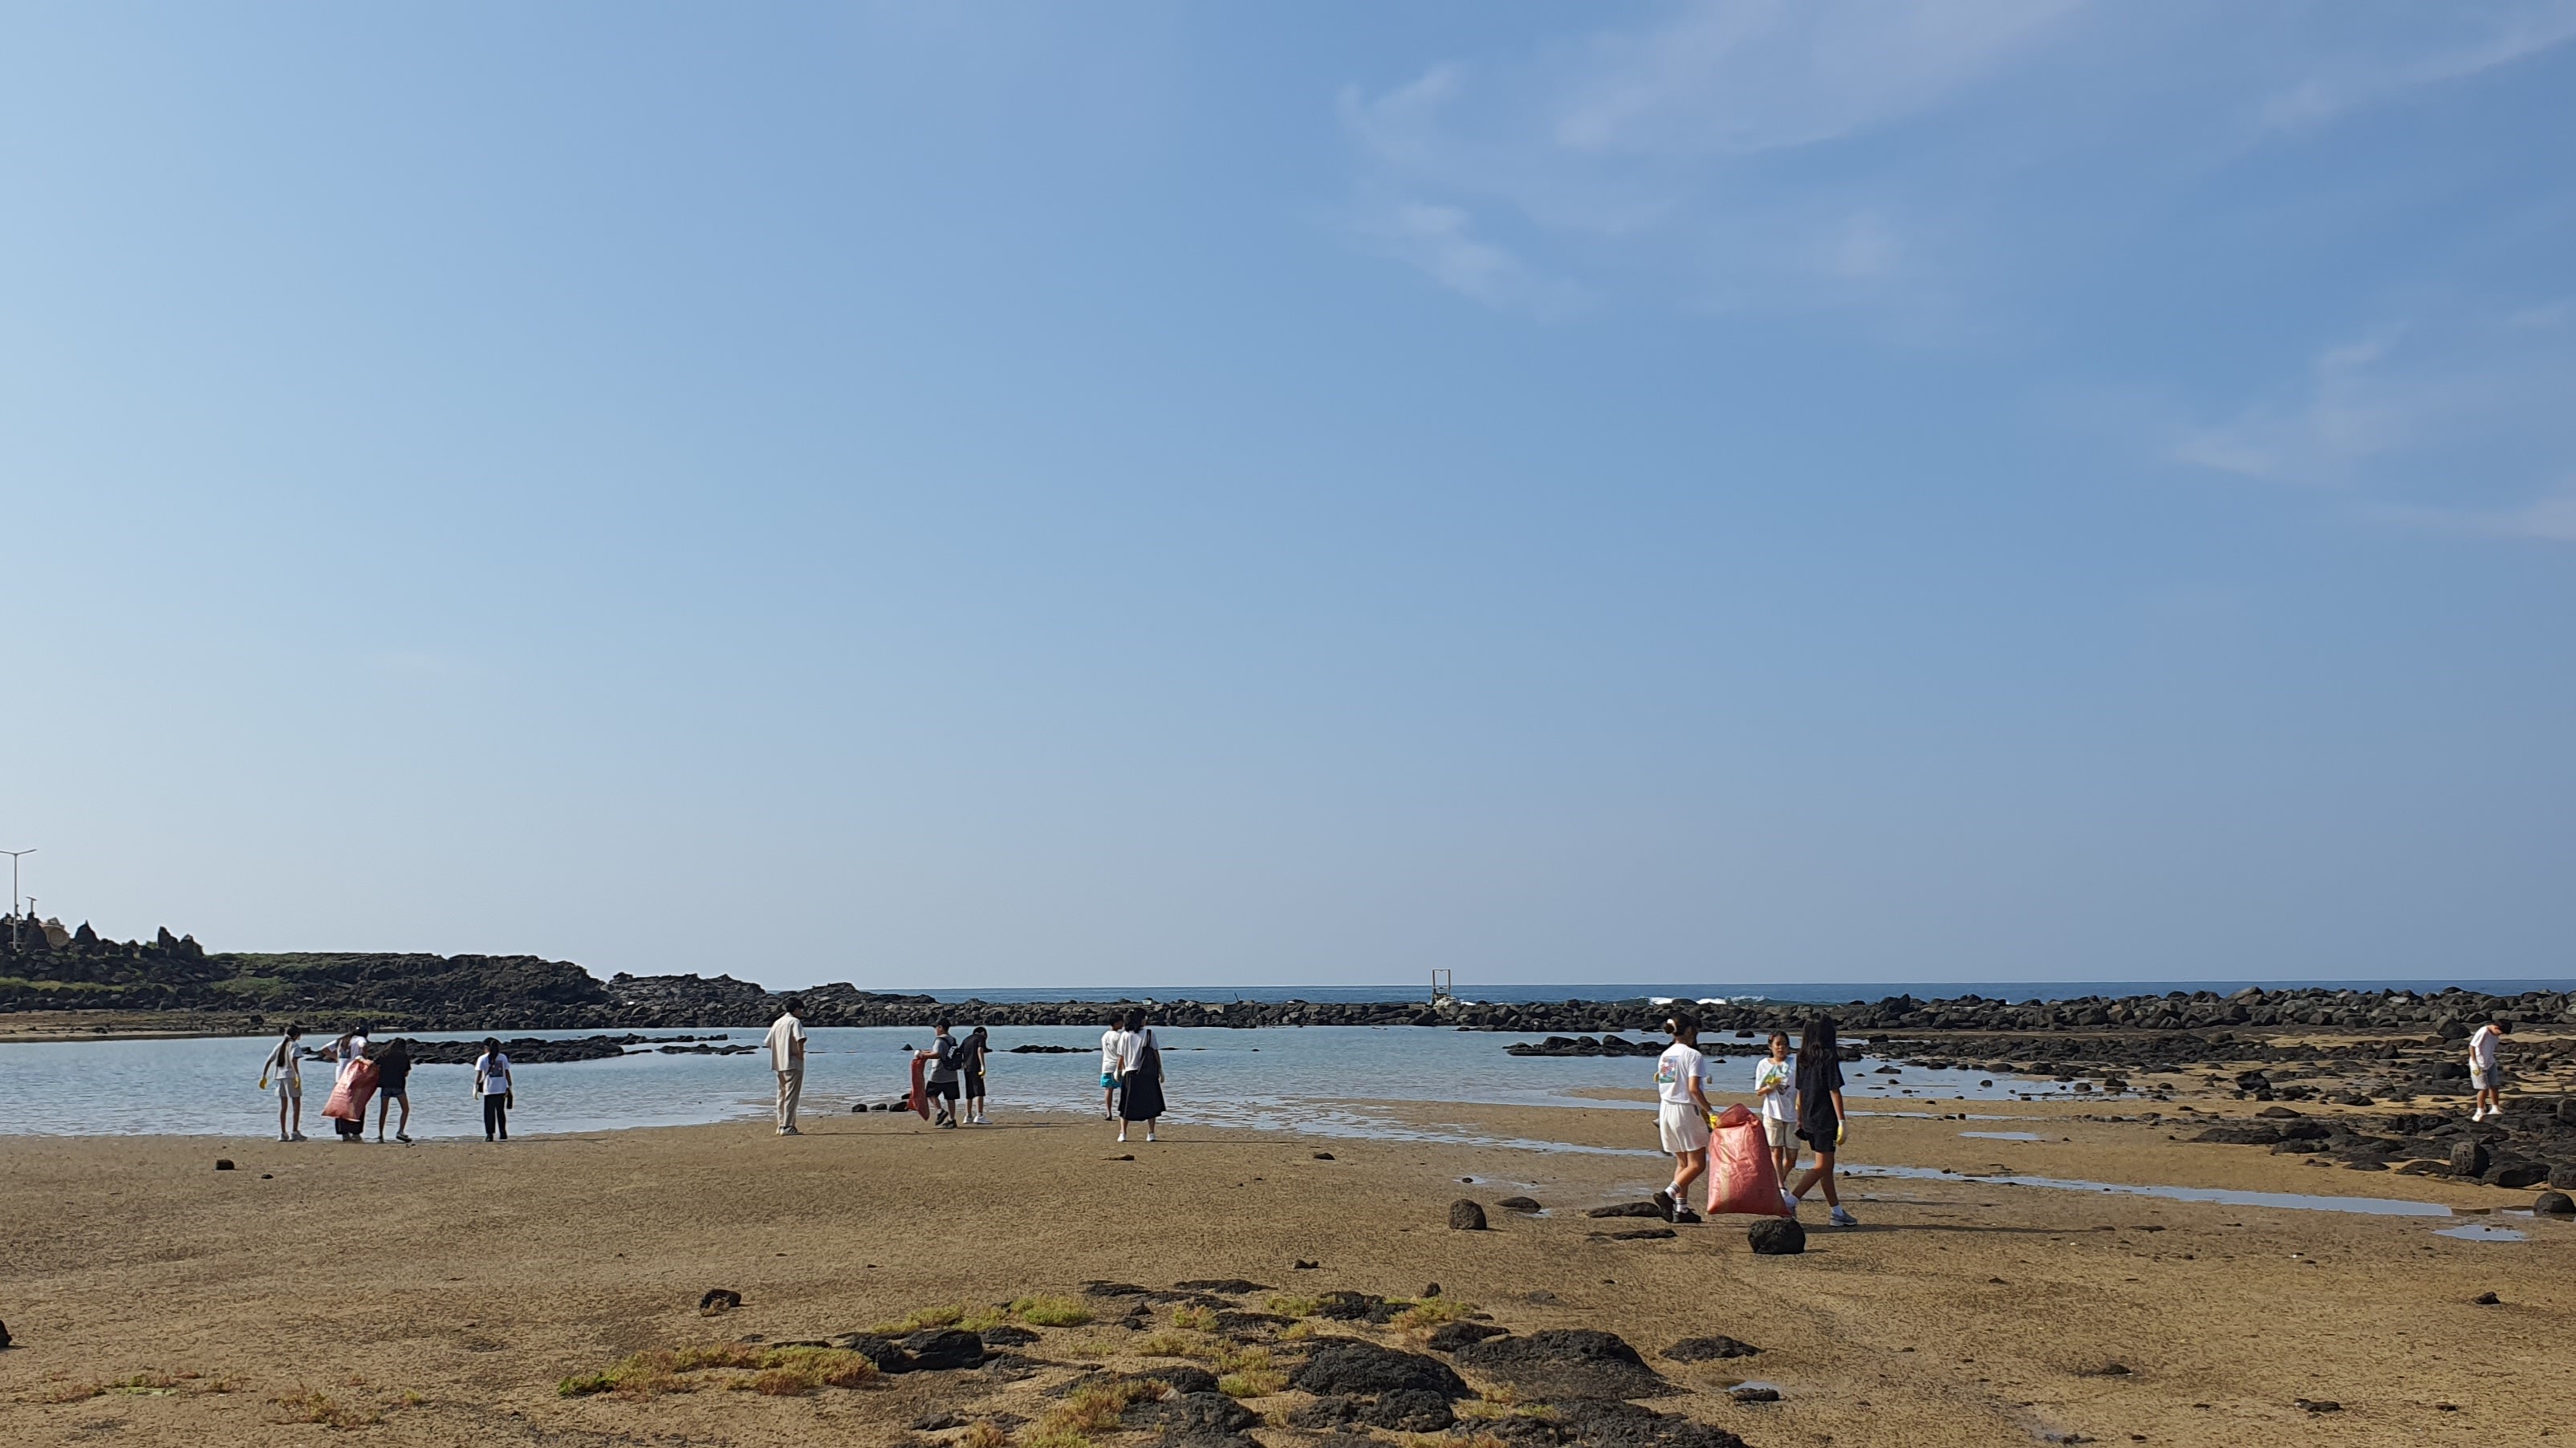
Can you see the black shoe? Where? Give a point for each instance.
(1684, 1216)
(1664, 1204)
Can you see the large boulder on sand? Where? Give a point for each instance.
(1777, 1237)
(1578, 1362)
(1364, 1369)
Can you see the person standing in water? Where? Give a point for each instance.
(1682, 1114)
(1821, 1119)
(492, 1088)
(1775, 1086)
(970, 1073)
(285, 1069)
(393, 1083)
(1140, 1076)
(786, 1043)
(2486, 1073)
(1109, 1067)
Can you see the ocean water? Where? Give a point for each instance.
(1330, 1080)
(1798, 992)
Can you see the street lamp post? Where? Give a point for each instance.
(13, 893)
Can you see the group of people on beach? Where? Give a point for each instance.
(1131, 1071)
(952, 1081)
(1800, 1098)
(1799, 1094)
(384, 1077)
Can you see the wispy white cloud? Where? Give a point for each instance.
(2351, 410)
(1442, 241)
(2458, 41)
(2549, 519)
(2455, 422)
(1886, 156)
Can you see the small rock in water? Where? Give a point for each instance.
(223, 1163)
(1466, 1216)
(2554, 1204)
(1777, 1237)
(1519, 1204)
(719, 1299)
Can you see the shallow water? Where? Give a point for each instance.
(2221, 1196)
(2481, 1232)
(1319, 1079)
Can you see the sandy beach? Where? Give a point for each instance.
(441, 1294)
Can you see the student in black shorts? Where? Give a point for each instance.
(970, 1072)
(944, 1069)
(393, 1083)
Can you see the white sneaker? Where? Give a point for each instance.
(1790, 1202)
(1842, 1218)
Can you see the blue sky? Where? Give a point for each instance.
(952, 496)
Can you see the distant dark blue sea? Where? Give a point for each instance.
(1833, 992)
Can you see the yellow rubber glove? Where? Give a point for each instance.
(1841, 1130)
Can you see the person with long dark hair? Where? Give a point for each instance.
(1822, 1122)
(285, 1070)
(492, 1088)
(1140, 1075)
(393, 1083)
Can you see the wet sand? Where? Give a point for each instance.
(438, 1294)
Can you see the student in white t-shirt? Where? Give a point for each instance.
(2486, 1073)
(1110, 1061)
(1775, 1085)
(1682, 1114)
(786, 1046)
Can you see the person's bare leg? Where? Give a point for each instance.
(384, 1109)
(283, 1132)
(1822, 1171)
(402, 1128)
(1687, 1166)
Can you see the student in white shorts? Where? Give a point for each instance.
(2486, 1073)
(1682, 1114)
(1109, 1062)
(1775, 1086)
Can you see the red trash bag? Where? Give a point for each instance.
(1741, 1179)
(349, 1098)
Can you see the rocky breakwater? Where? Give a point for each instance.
(2522, 1150)
(530, 1050)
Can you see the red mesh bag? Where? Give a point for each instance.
(1741, 1178)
